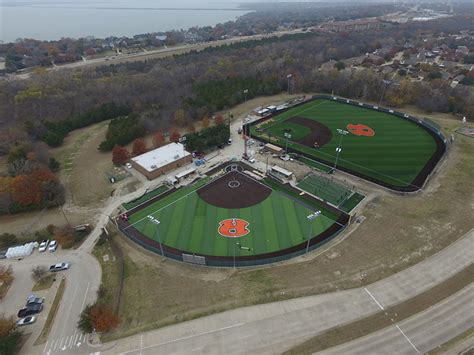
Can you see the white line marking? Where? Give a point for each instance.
(45, 346)
(70, 341)
(60, 343)
(413, 345)
(141, 344)
(184, 338)
(85, 296)
(372, 296)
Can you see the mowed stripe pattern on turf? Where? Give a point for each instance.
(190, 224)
(396, 154)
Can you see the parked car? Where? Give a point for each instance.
(128, 165)
(53, 246)
(285, 157)
(229, 141)
(29, 310)
(43, 246)
(33, 299)
(26, 321)
(59, 267)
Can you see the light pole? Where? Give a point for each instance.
(310, 218)
(245, 94)
(338, 151)
(288, 77)
(157, 223)
(241, 248)
(287, 136)
(342, 133)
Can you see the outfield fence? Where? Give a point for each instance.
(340, 223)
(415, 185)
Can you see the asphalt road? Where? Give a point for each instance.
(276, 327)
(153, 54)
(420, 333)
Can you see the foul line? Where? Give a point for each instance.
(162, 208)
(184, 338)
(413, 345)
(372, 296)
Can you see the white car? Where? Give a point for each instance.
(59, 267)
(128, 165)
(26, 321)
(43, 246)
(53, 246)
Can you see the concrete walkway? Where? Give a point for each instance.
(274, 327)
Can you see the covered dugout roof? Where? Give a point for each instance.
(159, 157)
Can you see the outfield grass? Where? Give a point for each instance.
(395, 154)
(351, 203)
(190, 224)
(324, 188)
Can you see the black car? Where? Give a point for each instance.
(30, 309)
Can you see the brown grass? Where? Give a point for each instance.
(44, 283)
(6, 279)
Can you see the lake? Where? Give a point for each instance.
(49, 20)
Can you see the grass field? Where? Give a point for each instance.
(395, 155)
(190, 224)
(324, 188)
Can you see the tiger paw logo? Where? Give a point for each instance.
(360, 130)
(233, 227)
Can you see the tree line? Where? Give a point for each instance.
(179, 91)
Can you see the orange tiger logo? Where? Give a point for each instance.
(360, 130)
(233, 227)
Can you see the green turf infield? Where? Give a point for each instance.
(324, 188)
(190, 224)
(395, 155)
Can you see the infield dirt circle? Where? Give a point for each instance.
(234, 190)
(320, 134)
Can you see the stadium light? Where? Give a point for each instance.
(289, 76)
(157, 223)
(287, 136)
(338, 151)
(310, 218)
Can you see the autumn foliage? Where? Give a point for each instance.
(175, 136)
(139, 147)
(120, 155)
(219, 120)
(158, 139)
(97, 317)
(102, 318)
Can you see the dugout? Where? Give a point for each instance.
(273, 148)
(184, 174)
(280, 172)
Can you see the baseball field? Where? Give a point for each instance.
(229, 214)
(375, 145)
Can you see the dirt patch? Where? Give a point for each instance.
(319, 136)
(234, 190)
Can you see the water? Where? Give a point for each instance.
(49, 20)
